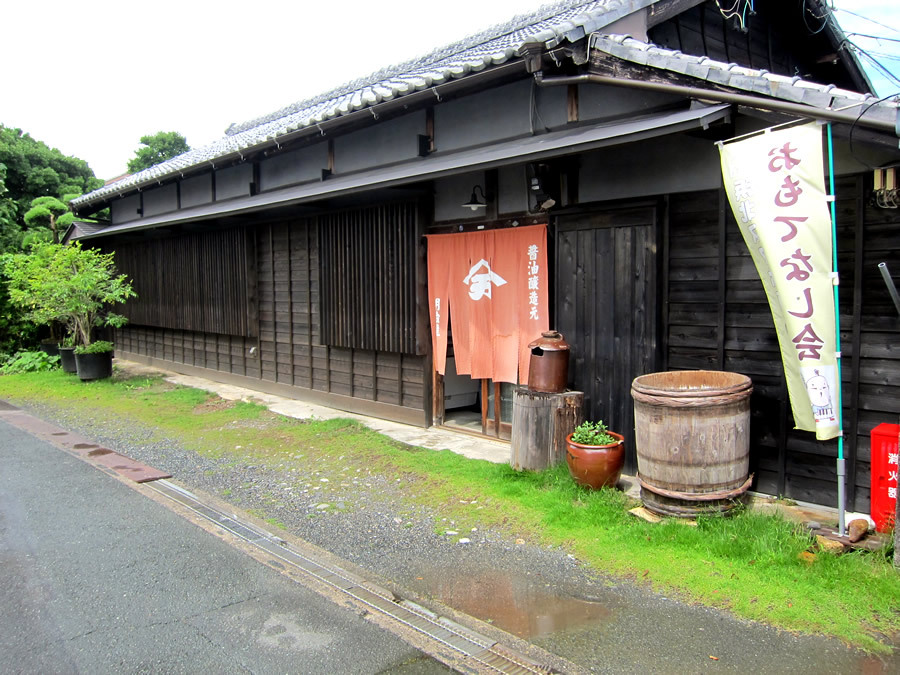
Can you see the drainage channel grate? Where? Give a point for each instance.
(489, 655)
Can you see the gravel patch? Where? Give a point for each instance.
(360, 517)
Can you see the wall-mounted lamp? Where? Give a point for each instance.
(543, 187)
(474, 203)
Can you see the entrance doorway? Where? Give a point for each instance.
(606, 307)
(470, 404)
(477, 406)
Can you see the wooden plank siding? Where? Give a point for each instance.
(225, 353)
(701, 30)
(194, 282)
(728, 326)
(288, 333)
(606, 306)
(368, 262)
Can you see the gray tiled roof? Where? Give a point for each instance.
(80, 228)
(793, 89)
(551, 24)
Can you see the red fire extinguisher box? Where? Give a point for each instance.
(884, 474)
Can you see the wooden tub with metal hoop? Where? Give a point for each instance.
(692, 437)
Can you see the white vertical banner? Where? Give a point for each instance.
(776, 185)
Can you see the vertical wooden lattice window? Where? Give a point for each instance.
(202, 282)
(367, 269)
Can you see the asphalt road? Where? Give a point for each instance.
(96, 578)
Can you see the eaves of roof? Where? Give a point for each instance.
(531, 148)
(568, 20)
(78, 229)
(756, 82)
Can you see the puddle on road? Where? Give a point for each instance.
(873, 665)
(60, 433)
(521, 606)
(84, 446)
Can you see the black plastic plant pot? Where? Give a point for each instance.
(51, 348)
(67, 359)
(94, 366)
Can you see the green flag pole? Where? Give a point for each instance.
(841, 465)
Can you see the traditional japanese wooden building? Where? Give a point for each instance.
(290, 256)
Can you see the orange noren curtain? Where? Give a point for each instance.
(493, 283)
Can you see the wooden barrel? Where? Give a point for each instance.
(692, 436)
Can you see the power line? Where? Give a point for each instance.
(886, 55)
(873, 37)
(865, 18)
(828, 11)
(875, 62)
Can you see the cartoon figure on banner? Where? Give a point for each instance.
(480, 282)
(819, 391)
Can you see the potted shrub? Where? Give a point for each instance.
(94, 361)
(67, 354)
(74, 285)
(50, 346)
(595, 455)
(90, 285)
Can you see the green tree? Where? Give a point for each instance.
(15, 330)
(71, 284)
(156, 149)
(35, 170)
(30, 169)
(10, 232)
(31, 283)
(50, 213)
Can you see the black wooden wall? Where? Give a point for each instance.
(606, 306)
(203, 283)
(781, 38)
(293, 347)
(285, 292)
(225, 353)
(717, 317)
(365, 263)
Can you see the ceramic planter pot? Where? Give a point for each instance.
(67, 359)
(596, 466)
(94, 366)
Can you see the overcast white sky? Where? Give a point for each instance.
(92, 77)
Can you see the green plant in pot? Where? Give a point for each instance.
(595, 455)
(94, 361)
(93, 287)
(67, 354)
(75, 285)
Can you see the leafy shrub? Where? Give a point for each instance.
(96, 347)
(592, 433)
(29, 362)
